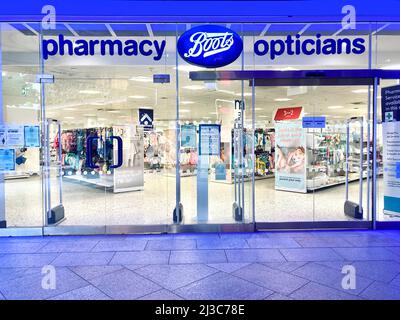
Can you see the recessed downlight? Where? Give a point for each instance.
(141, 79)
(137, 97)
(365, 90)
(335, 107)
(89, 91)
(282, 99)
(194, 87)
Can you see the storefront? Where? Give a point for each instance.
(111, 128)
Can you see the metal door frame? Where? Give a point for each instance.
(337, 77)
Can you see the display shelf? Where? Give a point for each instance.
(342, 181)
(246, 179)
(17, 175)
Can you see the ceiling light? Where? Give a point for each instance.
(141, 79)
(360, 90)
(184, 110)
(245, 94)
(335, 107)
(258, 109)
(137, 97)
(186, 102)
(97, 103)
(226, 91)
(102, 119)
(89, 91)
(213, 113)
(264, 116)
(391, 67)
(194, 87)
(206, 118)
(286, 69)
(89, 115)
(188, 68)
(69, 117)
(114, 111)
(282, 99)
(70, 109)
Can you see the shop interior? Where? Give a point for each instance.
(103, 101)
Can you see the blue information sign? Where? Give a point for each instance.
(314, 122)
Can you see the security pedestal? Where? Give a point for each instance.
(202, 188)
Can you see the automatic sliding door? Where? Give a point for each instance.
(216, 160)
(303, 151)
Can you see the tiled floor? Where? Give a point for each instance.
(263, 265)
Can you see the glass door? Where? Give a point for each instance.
(216, 152)
(78, 153)
(317, 144)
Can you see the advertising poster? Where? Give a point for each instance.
(15, 136)
(7, 160)
(209, 139)
(32, 136)
(391, 149)
(290, 156)
(188, 136)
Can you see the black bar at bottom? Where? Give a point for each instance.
(3, 224)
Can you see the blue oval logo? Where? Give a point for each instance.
(210, 46)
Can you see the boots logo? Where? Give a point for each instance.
(210, 46)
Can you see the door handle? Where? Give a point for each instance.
(119, 153)
(89, 152)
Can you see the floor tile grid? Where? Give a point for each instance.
(374, 281)
(324, 284)
(365, 275)
(157, 284)
(307, 281)
(173, 291)
(360, 294)
(87, 283)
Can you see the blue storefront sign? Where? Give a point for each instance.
(146, 117)
(314, 122)
(210, 46)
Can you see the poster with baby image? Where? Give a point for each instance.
(290, 156)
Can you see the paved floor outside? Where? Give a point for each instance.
(264, 265)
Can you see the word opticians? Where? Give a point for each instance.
(308, 46)
(80, 47)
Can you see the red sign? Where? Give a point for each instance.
(291, 113)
